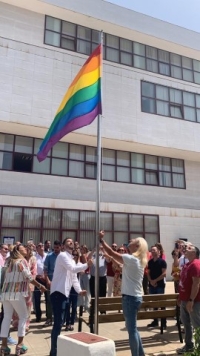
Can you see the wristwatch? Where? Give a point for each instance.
(191, 300)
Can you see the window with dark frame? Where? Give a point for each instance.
(79, 161)
(166, 101)
(80, 39)
(39, 224)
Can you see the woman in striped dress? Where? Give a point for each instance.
(14, 292)
(32, 264)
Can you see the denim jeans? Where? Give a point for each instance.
(58, 302)
(84, 280)
(190, 320)
(71, 307)
(48, 306)
(157, 290)
(130, 306)
(37, 297)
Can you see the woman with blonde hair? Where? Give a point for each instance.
(134, 263)
(14, 291)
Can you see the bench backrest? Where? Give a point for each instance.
(113, 306)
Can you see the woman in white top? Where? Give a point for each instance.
(14, 291)
(132, 277)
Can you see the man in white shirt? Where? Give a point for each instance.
(64, 277)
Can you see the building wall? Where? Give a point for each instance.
(33, 80)
(47, 186)
(35, 77)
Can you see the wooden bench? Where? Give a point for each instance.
(112, 306)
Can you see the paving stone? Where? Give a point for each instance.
(38, 338)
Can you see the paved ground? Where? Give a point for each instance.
(38, 338)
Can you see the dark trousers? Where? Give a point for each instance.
(157, 290)
(102, 286)
(37, 298)
(71, 307)
(58, 302)
(1, 318)
(145, 284)
(48, 306)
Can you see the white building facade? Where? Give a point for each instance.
(150, 125)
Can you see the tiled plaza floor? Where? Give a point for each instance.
(38, 338)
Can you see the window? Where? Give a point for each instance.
(22, 162)
(39, 224)
(71, 160)
(84, 40)
(165, 101)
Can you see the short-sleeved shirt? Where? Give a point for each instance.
(40, 263)
(155, 270)
(182, 261)
(2, 260)
(190, 270)
(132, 276)
(49, 264)
(102, 266)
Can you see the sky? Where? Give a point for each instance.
(184, 13)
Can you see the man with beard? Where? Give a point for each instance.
(64, 277)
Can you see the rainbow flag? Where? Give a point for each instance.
(80, 105)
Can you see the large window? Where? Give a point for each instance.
(79, 161)
(40, 224)
(81, 39)
(165, 101)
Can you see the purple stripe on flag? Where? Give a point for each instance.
(75, 124)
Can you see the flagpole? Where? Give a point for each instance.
(98, 200)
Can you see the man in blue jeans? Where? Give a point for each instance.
(64, 277)
(49, 265)
(156, 275)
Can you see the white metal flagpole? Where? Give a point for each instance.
(98, 200)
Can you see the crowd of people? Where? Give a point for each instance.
(65, 273)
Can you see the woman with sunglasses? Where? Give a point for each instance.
(32, 264)
(14, 292)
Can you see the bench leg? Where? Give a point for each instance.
(80, 320)
(92, 328)
(91, 316)
(161, 325)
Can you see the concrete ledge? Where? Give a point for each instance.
(85, 344)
